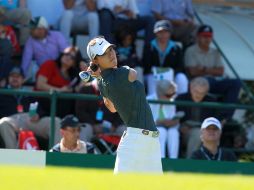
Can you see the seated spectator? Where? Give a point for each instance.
(80, 16)
(126, 50)
(180, 13)
(42, 45)
(116, 13)
(15, 116)
(96, 115)
(210, 136)
(60, 75)
(194, 115)
(162, 52)
(15, 13)
(70, 142)
(203, 60)
(164, 118)
(7, 32)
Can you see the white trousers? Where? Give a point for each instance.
(138, 152)
(169, 138)
(84, 23)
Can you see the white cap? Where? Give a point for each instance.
(211, 121)
(97, 46)
(39, 22)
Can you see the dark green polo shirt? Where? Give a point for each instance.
(129, 98)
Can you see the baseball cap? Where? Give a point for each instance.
(205, 30)
(38, 22)
(97, 46)
(16, 70)
(211, 121)
(162, 25)
(69, 121)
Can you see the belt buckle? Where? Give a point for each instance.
(155, 134)
(145, 132)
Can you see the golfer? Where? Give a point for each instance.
(139, 148)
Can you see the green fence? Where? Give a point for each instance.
(53, 96)
(176, 165)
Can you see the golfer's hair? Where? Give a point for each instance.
(200, 81)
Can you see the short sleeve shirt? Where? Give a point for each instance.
(194, 56)
(129, 98)
(50, 70)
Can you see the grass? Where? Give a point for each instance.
(26, 178)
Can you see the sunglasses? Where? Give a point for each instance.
(73, 57)
(169, 95)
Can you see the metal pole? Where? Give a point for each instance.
(53, 102)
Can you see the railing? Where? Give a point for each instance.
(53, 96)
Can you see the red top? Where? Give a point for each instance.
(50, 70)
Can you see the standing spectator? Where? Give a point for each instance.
(180, 13)
(60, 75)
(43, 44)
(211, 130)
(15, 116)
(70, 142)
(190, 123)
(80, 16)
(163, 52)
(116, 13)
(164, 118)
(15, 13)
(203, 60)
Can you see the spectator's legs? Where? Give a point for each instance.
(151, 84)
(229, 88)
(5, 59)
(88, 23)
(163, 140)
(66, 23)
(140, 75)
(22, 17)
(182, 83)
(193, 142)
(106, 24)
(173, 142)
(8, 133)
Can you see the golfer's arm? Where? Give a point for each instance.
(109, 105)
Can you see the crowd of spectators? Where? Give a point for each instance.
(176, 50)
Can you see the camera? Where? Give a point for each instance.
(94, 67)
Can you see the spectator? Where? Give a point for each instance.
(70, 142)
(79, 16)
(116, 13)
(164, 117)
(210, 136)
(15, 116)
(203, 60)
(180, 13)
(126, 50)
(61, 76)
(43, 44)
(162, 52)
(15, 13)
(190, 123)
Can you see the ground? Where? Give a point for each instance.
(26, 178)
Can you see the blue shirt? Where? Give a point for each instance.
(9, 4)
(173, 9)
(129, 98)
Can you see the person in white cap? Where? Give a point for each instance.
(210, 149)
(139, 148)
(43, 44)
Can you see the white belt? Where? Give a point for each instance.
(143, 132)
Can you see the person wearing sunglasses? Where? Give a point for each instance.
(166, 118)
(139, 148)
